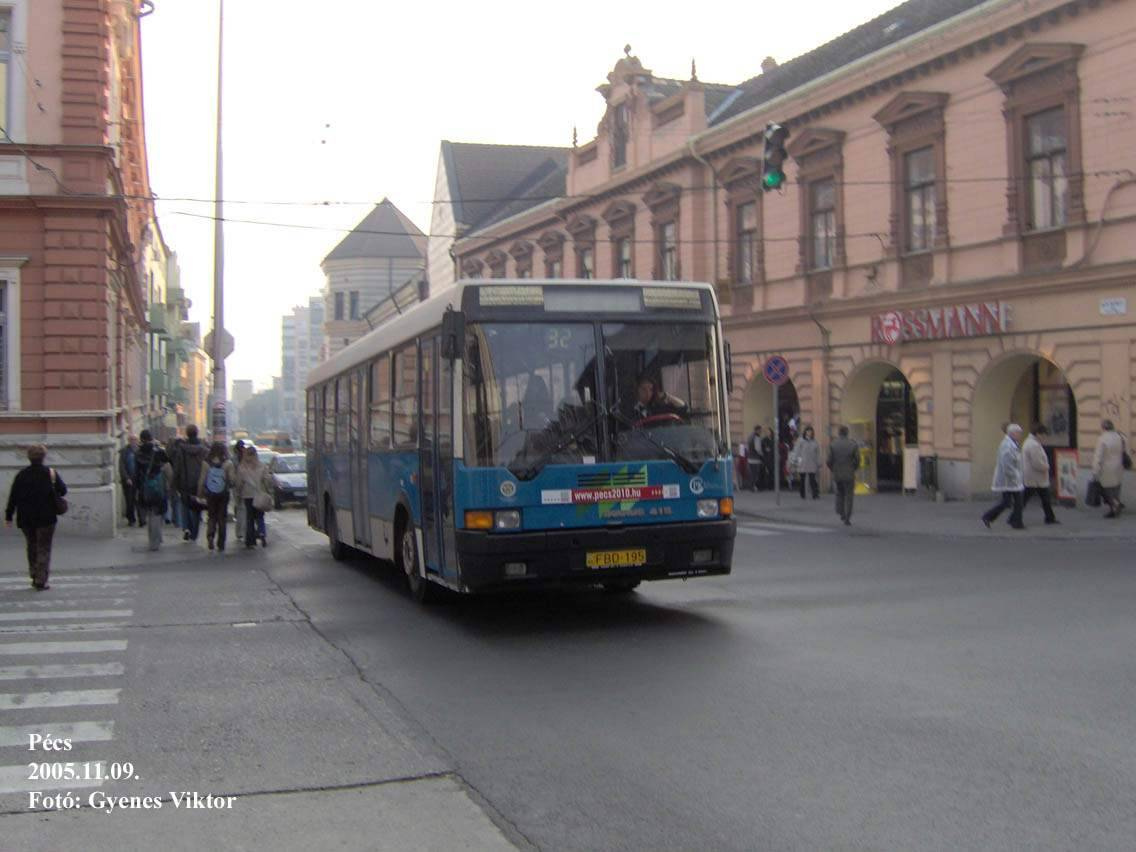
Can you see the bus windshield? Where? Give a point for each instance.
(662, 386)
(532, 397)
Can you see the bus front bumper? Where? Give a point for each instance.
(693, 549)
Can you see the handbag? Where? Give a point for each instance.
(1093, 493)
(262, 502)
(61, 506)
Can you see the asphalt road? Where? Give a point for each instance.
(836, 691)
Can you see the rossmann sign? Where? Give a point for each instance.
(976, 319)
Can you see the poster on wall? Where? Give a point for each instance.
(910, 468)
(1053, 411)
(1065, 463)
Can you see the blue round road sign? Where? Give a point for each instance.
(776, 370)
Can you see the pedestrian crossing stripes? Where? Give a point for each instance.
(64, 670)
(765, 528)
(52, 685)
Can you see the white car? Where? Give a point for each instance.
(290, 470)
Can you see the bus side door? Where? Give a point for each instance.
(436, 459)
(357, 459)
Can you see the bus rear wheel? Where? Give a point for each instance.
(337, 548)
(406, 555)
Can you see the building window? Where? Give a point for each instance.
(522, 256)
(822, 223)
(668, 251)
(620, 131)
(746, 250)
(623, 258)
(1045, 167)
(552, 244)
(919, 171)
(338, 306)
(354, 294)
(3, 344)
(585, 263)
(554, 268)
(5, 61)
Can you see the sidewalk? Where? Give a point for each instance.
(129, 548)
(917, 514)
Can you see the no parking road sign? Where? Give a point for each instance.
(776, 370)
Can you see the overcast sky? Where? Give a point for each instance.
(345, 102)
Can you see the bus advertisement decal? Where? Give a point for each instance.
(617, 494)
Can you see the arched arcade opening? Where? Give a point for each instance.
(880, 412)
(1022, 388)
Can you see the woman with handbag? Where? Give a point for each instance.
(255, 482)
(1108, 467)
(36, 499)
(218, 476)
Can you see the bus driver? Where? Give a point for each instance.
(652, 400)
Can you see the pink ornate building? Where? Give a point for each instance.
(74, 206)
(951, 251)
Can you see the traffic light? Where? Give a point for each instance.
(772, 173)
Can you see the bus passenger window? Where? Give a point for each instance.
(406, 397)
(381, 405)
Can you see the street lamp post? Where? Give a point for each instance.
(220, 388)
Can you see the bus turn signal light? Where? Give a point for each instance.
(726, 506)
(479, 520)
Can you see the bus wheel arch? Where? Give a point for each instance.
(407, 558)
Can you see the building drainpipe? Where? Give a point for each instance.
(714, 199)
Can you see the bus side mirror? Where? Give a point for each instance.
(453, 333)
(729, 369)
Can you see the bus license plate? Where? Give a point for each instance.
(617, 558)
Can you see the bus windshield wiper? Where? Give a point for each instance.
(535, 467)
(674, 455)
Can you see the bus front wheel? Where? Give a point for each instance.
(338, 548)
(421, 589)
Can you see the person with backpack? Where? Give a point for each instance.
(153, 485)
(36, 501)
(188, 465)
(217, 478)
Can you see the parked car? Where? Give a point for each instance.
(290, 471)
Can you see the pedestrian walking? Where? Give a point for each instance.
(741, 467)
(1008, 479)
(239, 516)
(755, 460)
(1108, 467)
(215, 483)
(173, 513)
(255, 482)
(805, 460)
(153, 486)
(767, 459)
(127, 468)
(843, 461)
(187, 472)
(1035, 464)
(36, 501)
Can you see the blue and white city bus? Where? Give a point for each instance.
(508, 433)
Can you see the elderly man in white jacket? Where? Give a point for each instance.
(1036, 465)
(1008, 479)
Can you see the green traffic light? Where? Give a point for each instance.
(773, 180)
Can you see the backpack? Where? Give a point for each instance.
(215, 480)
(154, 484)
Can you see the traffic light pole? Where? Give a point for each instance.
(220, 388)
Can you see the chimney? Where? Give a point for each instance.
(768, 64)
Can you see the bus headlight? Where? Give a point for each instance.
(707, 508)
(507, 519)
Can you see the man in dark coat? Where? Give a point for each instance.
(187, 470)
(32, 501)
(844, 461)
(127, 458)
(151, 463)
